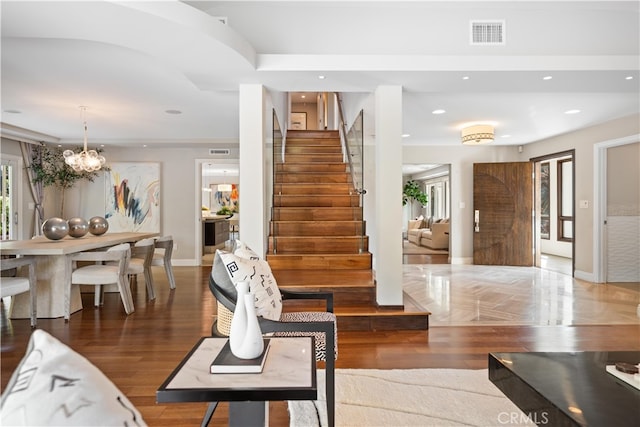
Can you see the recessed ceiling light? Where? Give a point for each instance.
(173, 111)
(506, 136)
(144, 145)
(321, 77)
(439, 111)
(629, 78)
(547, 77)
(406, 135)
(465, 78)
(572, 111)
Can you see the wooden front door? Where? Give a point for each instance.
(503, 213)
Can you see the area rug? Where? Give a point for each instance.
(409, 248)
(410, 397)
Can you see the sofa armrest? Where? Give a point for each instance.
(439, 228)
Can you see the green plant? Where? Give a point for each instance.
(225, 210)
(49, 168)
(412, 191)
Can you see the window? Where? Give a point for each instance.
(565, 200)
(9, 203)
(545, 201)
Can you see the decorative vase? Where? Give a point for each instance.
(55, 228)
(98, 225)
(78, 227)
(245, 336)
(252, 344)
(239, 319)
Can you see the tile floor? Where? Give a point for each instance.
(462, 295)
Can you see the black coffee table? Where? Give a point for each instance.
(568, 389)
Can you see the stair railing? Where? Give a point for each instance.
(277, 157)
(353, 146)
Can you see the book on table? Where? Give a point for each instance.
(226, 363)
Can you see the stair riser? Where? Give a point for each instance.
(318, 245)
(314, 158)
(319, 228)
(315, 201)
(317, 214)
(289, 188)
(311, 167)
(312, 149)
(343, 298)
(312, 134)
(304, 262)
(309, 178)
(383, 323)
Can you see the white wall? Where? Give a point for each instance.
(179, 190)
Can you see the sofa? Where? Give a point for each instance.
(434, 236)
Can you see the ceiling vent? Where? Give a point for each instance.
(219, 151)
(489, 32)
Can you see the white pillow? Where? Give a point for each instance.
(53, 385)
(243, 251)
(268, 300)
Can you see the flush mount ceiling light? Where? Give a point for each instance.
(477, 134)
(88, 161)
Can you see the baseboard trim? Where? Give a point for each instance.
(583, 275)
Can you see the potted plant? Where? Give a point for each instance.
(49, 168)
(413, 192)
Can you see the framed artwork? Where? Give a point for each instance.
(227, 199)
(299, 121)
(133, 197)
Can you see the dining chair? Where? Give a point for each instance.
(162, 257)
(110, 268)
(14, 284)
(140, 263)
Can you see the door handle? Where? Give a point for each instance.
(476, 221)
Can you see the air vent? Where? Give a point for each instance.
(487, 32)
(219, 151)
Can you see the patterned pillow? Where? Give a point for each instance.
(54, 385)
(229, 269)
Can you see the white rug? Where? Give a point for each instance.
(410, 397)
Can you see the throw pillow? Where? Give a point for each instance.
(243, 251)
(229, 269)
(54, 385)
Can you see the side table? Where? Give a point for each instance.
(289, 374)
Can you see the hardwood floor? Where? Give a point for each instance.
(138, 351)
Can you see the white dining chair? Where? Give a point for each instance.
(14, 284)
(162, 257)
(110, 268)
(140, 263)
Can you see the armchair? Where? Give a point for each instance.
(321, 325)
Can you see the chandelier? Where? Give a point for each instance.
(224, 186)
(88, 161)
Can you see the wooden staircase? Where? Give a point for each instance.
(317, 236)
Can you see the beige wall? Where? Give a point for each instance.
(584, 142)
(623, 180)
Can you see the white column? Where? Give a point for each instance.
(252, 167)
(388, 181)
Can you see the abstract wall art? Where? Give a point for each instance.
(133, 197)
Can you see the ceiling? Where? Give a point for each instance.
(167, 73)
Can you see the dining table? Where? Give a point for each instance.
(54, 268)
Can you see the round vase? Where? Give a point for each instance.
(253, 344)
(55, 228)
(239, 320)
